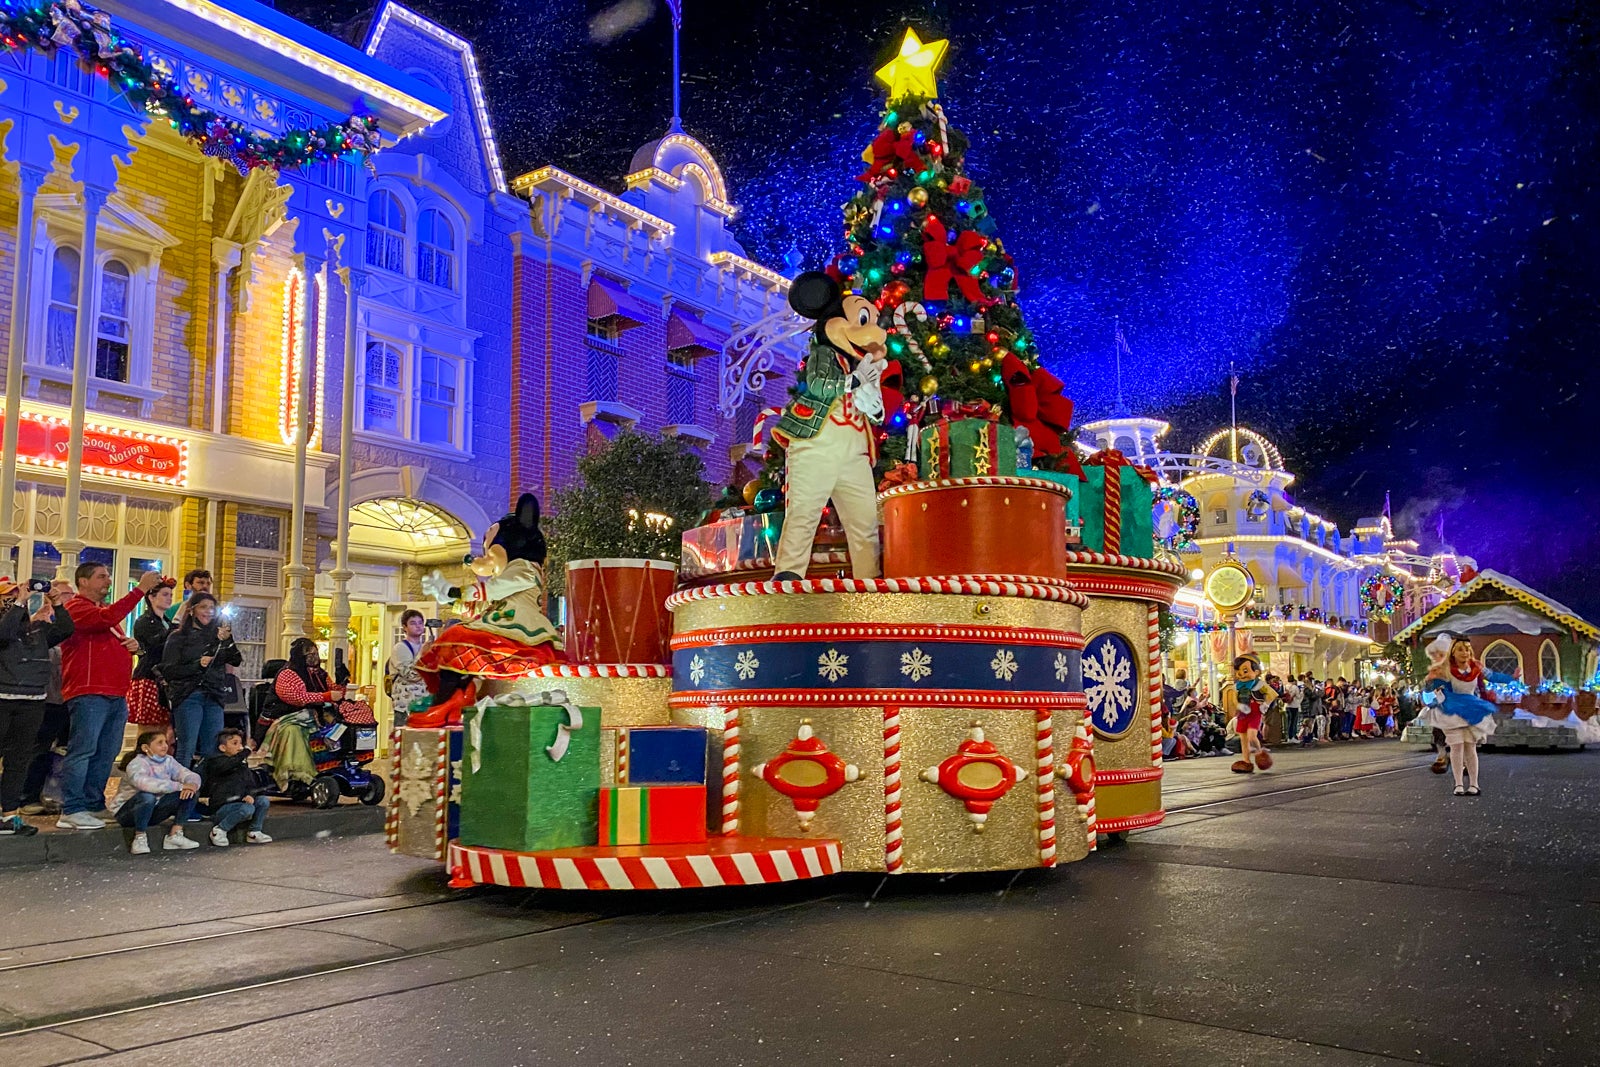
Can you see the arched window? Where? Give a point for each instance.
(436, 244)
(1502, 656)
(113, 329)
(61, 322)
(386, 232)
(1549, 662)
(383, 396)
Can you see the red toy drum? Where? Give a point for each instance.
(616, 610)
(981, 525)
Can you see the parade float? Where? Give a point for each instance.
(815, 710)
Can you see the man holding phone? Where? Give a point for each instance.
(32, 622)
(96, 667)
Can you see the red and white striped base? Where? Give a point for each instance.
(719, 861)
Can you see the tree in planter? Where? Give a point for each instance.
(633, 499)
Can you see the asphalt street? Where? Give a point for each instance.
(1343, 909)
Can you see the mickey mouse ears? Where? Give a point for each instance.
(814, 295)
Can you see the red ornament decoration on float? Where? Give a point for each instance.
(807, 773)
(977, 775)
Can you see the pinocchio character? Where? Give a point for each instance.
(1253, 695)
(826, 430)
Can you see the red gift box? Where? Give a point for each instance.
(652, 814)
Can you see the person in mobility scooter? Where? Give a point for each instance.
(318, 743)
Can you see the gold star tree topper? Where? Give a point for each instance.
(911, 72)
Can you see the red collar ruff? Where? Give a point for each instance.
(1472, 672)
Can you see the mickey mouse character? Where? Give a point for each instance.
(509, 635)
(825, 431)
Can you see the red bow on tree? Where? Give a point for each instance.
(1036, 401)
(951, 262)
(887, 149)
(892, 385)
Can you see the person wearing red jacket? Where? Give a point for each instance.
(96, 667)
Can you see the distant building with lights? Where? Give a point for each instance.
(1307, 612)
(496, 328)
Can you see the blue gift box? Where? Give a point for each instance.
(675, 754)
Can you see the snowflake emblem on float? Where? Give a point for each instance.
(697, 670)
(1108, 678)
(1063, 668)
(745, 666)
(916, 664)
(1004, 665)
(831, 665)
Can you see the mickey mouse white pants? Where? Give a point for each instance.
(835, 464)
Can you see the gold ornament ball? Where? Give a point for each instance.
(918, 196)
(987, 363)
(751, 488)
(929, 385)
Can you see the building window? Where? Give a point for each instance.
(1549, 663)
(263, 533)
(438, 400)
(1503, 657)
(1220, 516)
(114, 329)
(436, 242)
(382, 407)
(414, 393)
(61, 323)
(386, 232)
(608, 330)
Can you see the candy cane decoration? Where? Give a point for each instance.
(917, 311)
(892, 837)
(758, 431)
(391, 818)
(441, 779)
(1154, 673)
(730, 771)
(934, 111)
(1113, 508)
(1044, 747)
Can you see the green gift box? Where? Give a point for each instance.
(1137, 512)
(530, 776)
(965, 448)
(1074, 487)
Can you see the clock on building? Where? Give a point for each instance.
(1229, 586)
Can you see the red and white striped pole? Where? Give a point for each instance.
(1044, 747)
(730, 771)
(893, 839)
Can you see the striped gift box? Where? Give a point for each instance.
(653, 814)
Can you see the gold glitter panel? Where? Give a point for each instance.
(622, 701)
(1130, 618)
(853, 815)
(1131, 798)
(905, 608)
(938, 831)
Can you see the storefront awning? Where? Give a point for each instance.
(609, 300)
(686, 331)
(1288, 578)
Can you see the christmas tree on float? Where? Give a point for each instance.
(923, 247)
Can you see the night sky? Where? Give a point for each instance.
(1383, 213)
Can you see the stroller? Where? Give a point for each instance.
(340, 752)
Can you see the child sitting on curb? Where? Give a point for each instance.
(231, 791)
(154, 788)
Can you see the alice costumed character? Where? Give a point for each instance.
(1456, 691)
(1252, 694)
(826, 430)
(508, 635)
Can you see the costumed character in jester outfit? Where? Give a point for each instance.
(507, 635)
(1456, 691)
(1252, 694)
(826, 430)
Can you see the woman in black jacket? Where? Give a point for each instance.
(26, 638)
(194, 666)
(147, 701)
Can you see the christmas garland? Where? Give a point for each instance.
(48, 27)
(1187, 524)
(1368, 590)
(1200, 627)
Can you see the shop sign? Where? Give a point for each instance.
(43, 441)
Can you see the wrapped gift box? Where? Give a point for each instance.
(966, 448)
(1074, 489)
(514, 793)
(747, 543)
(1136, 536)
(652, 814)
(424, 812)
(653, 754)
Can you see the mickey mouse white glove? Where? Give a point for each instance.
(867, 388)
(435, 586)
